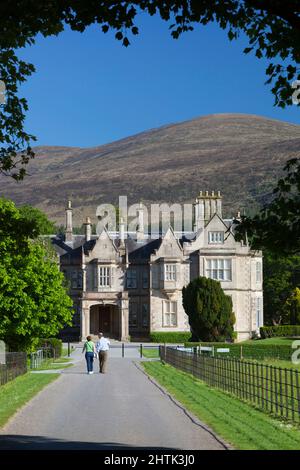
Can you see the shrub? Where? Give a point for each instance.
(170, 336)
(279, 330)
(209, 310)
(54, 343)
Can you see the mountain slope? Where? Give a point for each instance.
(240, 155)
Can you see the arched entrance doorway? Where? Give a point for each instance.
(104, 318)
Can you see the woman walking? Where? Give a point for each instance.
(89, 349)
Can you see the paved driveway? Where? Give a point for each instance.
(119, 409)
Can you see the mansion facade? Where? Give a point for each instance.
(128, 285)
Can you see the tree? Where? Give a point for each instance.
(39, 218)
(293, 306)
(272, 28)
(277, 226)
(209, 310)
(33, 297)
(281, 277)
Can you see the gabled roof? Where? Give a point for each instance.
(72, 257)
(136, 251)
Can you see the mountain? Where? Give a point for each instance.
(241, 155)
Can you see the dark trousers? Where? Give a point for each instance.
(89, 356)
(102, 361)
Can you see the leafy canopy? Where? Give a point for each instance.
(39, 219)
(272, 28)
(33, 299)
(277, 226)
(281, 277)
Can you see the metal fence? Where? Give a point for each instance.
(270, 388)
(14, 364)
(38, 357)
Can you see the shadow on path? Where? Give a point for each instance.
(21, 442)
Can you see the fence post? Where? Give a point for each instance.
(122, 349)
(141, 350)
(241, 355)
(68, 348)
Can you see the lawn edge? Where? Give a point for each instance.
(191, 416)
(55, 376)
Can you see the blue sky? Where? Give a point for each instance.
(89, 90)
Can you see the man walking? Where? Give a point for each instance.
(102, 348)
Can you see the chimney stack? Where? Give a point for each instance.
(69, 223)
(122, 231)
(206, 206)
(140, 229)
(88, 229)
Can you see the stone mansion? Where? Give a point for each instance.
(130, 284)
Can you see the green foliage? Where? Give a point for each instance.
(281, 276)
(209, 310)
(54, 343)
(15, 231)
(22, 22)
(33, 299)
(277, 226)
(255, 350)
(15, 143)
(38, 218)
(292, 304)
(279, 330)
(170, 336)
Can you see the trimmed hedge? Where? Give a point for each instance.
(170, 336)
(251, 351)
(280, 330)
(54, 343)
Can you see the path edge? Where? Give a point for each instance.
(190, 415)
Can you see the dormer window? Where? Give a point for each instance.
(170, 272)
(104, 276)
(215, 237)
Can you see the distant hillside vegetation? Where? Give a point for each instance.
(240, 155)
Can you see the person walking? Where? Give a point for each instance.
(102, 348)
(90, 352)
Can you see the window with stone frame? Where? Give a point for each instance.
(104, 276)
(219, 269)
(216, 237)
(169, 313)
(131, 279)
(258, 312)
(258, 272)
(170, 272)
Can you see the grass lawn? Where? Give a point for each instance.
(270, 341)
(49, 364)
(238, 423)
(19, 391)
(65, 350)
(277, 363)
(150, 352)
(62, 359)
